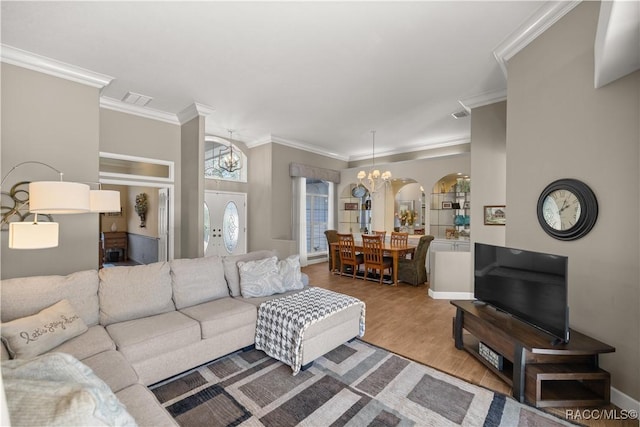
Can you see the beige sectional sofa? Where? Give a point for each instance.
(148, 323)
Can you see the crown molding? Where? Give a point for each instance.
(308, 147)
(441, 144)
(42, 64)
(538, 23)
(298, 145)
(136, 110)
(483, 99)
(194, 110)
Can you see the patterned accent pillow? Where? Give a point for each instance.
(289, 270)
(34, 335)
(260, 278)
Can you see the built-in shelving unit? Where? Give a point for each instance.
(450, 211)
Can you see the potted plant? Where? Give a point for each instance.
(142, 204)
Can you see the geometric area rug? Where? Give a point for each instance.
(356, 384)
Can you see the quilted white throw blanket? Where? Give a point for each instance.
(55, 389)
(282, 321)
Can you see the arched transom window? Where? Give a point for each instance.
(212, 148)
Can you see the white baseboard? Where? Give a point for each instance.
(450, 295)
(624, 401)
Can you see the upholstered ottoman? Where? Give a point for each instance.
(300, 327)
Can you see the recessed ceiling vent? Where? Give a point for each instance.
(136, 99)
(460, 114)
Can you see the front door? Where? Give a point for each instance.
(225, 231)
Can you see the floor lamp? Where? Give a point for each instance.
(53, 197)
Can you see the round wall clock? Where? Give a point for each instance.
(359, 191)
(567, 209)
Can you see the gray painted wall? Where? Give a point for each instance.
(425, 171)
(560, 126)
(192, 189)
(269, 204)
(488, 169)
(122, 133)
(55, 121)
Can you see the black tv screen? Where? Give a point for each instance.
(531, 286)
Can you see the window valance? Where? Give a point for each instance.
(313, 172)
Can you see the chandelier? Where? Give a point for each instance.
(373, 180)
(228, 160)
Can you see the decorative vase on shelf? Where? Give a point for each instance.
(114, 227)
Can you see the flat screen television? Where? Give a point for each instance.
(531, 286)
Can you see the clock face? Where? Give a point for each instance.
(358, 191)
(567, 209)
(561, 209)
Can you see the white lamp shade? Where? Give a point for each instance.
(33, 235)
(104, 201)
(58, 197)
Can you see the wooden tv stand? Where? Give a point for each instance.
(543, 374)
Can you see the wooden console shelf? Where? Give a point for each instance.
(543, 374)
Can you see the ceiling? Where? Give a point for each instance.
(319, 75)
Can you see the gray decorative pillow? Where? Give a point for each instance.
(260, 278)
(289, 271)
(34, 335)
(231, 273)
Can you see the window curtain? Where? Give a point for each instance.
(299, 174)
(300, 216)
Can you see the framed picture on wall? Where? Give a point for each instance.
(467, 205)
(350, 206)
(447, 205)
(495, 215)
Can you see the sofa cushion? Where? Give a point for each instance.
(289, 271)
(144, 407)
(128, 293)
(34, 335)
(222, 315)
(260, 278)
(112, 368)
(80, 289)
(198, 280)
(94, 341)
(231, 272)
(144, 338)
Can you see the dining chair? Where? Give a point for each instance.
(399, 239)
(372, 247)
(332, 237)
(380, 233)
(413, 270)
(348, 255)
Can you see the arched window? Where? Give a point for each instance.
(212, 147)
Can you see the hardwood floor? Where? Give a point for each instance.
(405, 320)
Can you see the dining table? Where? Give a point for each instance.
(396, 251)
